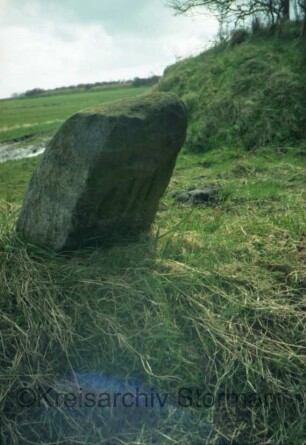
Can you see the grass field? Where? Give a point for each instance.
(213, 299)
(20, 117)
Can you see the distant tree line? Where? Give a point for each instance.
(34, 92)
(136, 82)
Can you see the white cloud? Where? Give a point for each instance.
(38, 50)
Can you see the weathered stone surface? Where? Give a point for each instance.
(102, 175)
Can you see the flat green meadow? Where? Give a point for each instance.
(26, 116)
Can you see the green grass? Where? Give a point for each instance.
(14, 178)
(247, 95)
(19, 117)
(213, 298)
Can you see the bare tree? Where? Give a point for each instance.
(301, 5)
(286, 9)
(237, 10)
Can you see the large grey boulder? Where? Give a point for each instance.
(102, 175)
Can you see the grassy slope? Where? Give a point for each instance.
(19, 117)
(248, 95)
(213, 298)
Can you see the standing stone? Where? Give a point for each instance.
(102, 175)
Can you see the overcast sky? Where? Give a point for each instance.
(53, 43)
